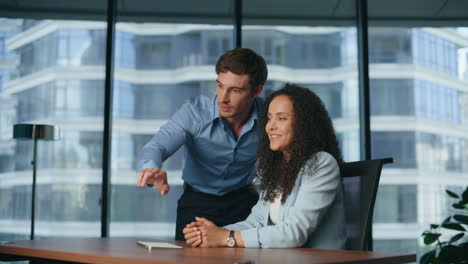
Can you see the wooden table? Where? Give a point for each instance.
(123, 250)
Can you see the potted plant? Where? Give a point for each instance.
(455, 250)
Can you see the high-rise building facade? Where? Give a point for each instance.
(53, 72)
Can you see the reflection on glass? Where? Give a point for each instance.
(157, 68)
(157, 71)
(322, 59)
(418, 89)
(52, 72)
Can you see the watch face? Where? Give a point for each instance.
(231, 242)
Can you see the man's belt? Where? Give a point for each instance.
(189, 188)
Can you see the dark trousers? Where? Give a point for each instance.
(221, 210)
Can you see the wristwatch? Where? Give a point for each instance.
(231, 242)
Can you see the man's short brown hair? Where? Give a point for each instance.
(244, 61)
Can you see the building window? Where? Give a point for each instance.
(396, 204)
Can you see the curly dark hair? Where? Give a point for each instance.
(313, 132)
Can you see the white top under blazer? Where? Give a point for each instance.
(312, 216)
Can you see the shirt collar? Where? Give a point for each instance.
(253, 115)
(215, 108)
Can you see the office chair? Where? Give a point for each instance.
(360, 184)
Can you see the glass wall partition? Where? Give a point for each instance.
(317, 54)
(158, 66)
(52, 72)
(418, 89)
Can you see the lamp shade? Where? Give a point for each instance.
(36, 131)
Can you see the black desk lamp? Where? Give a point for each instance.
(36, 132)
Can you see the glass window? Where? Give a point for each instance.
(52, 72)
(213, 43)
(166, 65)
(153, 52)
(419, 75)
(437, 102)
(389, 97)
(440, 153)
(319, 58)
(54, 75)
(396, 204)
(434, 51)
(408, 246)
(389, 45)
(399, 145)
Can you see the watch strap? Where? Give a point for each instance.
(231, 241)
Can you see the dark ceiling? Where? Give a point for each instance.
(278, 12)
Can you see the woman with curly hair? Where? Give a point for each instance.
(301, 202)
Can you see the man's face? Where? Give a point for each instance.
(235, 95)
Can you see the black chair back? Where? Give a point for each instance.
(360, 184)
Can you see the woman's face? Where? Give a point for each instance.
(280, 123)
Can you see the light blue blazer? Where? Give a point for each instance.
(312, 216)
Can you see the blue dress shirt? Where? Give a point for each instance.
(216, 162)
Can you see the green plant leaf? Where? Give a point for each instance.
(428, 257)
(453, 226)
(463, 245)
(430, 238)
(456, 237)
(458, 206)
(452, 254)
(461, 218)
(465, 196)
(446, 220)
(452, 194)
(434, 226)
(426, 232)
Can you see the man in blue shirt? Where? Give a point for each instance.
(220, 139)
